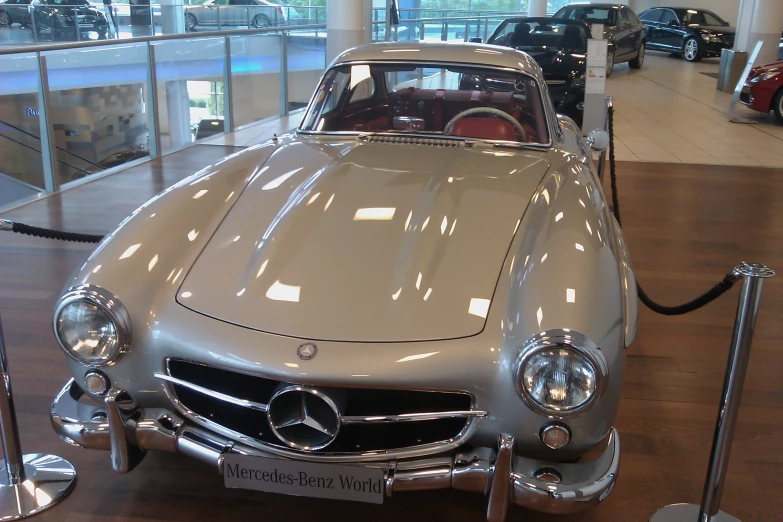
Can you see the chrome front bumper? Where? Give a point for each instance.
(128, 431)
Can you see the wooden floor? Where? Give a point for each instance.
(686, 226)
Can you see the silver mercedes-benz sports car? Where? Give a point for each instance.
(420, 288)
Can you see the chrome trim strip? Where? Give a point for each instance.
(211, 393)
(412, 417)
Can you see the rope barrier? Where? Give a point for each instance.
(704, 299)
(21, 228)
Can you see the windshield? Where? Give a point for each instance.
(429, 99)
(589, 14)
(527, 34)
(694, 17)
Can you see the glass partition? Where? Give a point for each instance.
(97, 108)
(189, 89)
(255, 77)
(306, 63)
(21, 168)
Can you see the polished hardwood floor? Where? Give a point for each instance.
(686, 226)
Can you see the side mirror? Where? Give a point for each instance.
(476, 39)
(598, 140)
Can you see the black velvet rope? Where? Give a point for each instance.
(29, 230)
(706, 298)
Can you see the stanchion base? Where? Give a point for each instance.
(687, 513)
(48, 480)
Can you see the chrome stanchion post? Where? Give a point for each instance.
(33, 482)
(602, 156)
(753, 275)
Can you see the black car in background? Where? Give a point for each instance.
(622, 29)
(560, 49)
(14, 11)
(693, 33)
(61, 19)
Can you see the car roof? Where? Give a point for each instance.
(442, 52)
(590, 4)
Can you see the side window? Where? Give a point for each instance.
(668, 16)
(653, 15)
(623, 16)
(631, 16)
(364, 90)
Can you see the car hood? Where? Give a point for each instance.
(364, 241)
(717, 29)
(558, 63)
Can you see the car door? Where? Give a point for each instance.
(671, 30)
(623, 36)
(18, 11)
(652, 26)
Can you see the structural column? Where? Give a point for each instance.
(348, 24)
(760, 20)
(536, 8)
(172, 13)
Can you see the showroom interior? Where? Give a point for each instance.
(384, 259)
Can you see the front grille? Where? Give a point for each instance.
(193, 382)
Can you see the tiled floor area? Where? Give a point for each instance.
(670, 112)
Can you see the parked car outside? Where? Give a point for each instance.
(247, 13)
(763, 90)
(422, 287)
(692, 33)
(559, 46)
(61, 19)
(622, 29)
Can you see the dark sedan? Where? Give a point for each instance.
(621, 27)
(61, 19)
(693, 33)
(559, 47)
(14, 11)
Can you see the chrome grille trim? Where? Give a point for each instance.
(214, 394)
(350, 419)
(361, 456)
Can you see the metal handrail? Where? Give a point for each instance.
(156, 38)
(30, 134)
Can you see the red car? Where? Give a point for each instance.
(763, 90)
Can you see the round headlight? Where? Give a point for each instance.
(559, 379)
(560, 373)
(91, 325)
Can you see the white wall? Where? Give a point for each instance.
(726, 9)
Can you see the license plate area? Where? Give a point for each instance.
(305, 479)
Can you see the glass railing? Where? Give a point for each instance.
(71, 110)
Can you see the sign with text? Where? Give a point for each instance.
(304, 479)
(596, 66)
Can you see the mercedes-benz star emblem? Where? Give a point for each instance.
(306, 351)
(303, 417)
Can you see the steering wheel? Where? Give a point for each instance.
(488, 110)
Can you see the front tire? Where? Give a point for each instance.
(260, 21)
(190, 22)
(637, 62)
(691, 50)
(777, 105)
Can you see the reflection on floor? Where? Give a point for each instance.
(259, 132)
(669, 112)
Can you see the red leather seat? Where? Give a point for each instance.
(486, 128)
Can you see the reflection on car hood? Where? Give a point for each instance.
(359, 241)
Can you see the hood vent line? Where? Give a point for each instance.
(413, 140)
